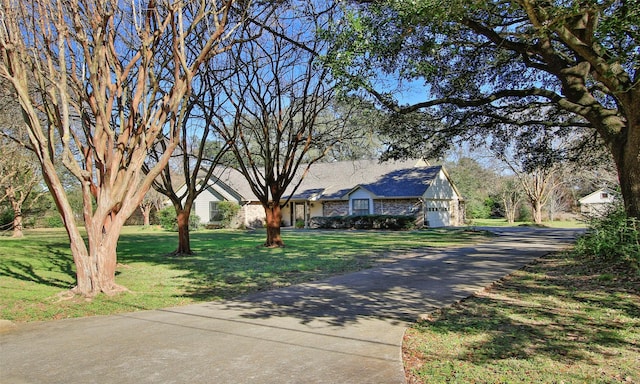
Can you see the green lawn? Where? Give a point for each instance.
(561, 320)
(35, 271)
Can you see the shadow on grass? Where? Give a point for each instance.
(566, 315)
(230, 264)
(397, 292)
(56, 262)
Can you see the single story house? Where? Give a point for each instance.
(346, 188)
(597, 203)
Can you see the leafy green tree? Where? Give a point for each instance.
(362, 138)
(476, 184)
(495, 70)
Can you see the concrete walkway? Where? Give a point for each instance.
(347, 329)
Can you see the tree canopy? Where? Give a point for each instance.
(498, 70)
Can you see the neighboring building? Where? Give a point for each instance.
(598, 202)
(347, 188)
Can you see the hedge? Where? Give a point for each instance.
(390, 222)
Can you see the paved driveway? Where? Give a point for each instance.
(347, 329)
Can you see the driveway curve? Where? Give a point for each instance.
(346, 329)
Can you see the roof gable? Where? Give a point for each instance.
(409, 182)
(596, 197)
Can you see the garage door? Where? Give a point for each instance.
(437, 214)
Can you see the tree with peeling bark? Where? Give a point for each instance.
(95, 104)
(20, 179)
(490, 66)
(152, 200)
(19, 175)
(275, 108)
(538, 185)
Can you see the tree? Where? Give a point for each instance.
(362, 125)
(152, 200)
(476, 184)
(274, 110)
(194, 161)
(559, 201)
(200, 150)
(490, 67)
(19, 177)
(96, 89)
(538, 184)
(510, 196)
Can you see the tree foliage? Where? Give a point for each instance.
(476, 184)
(496, 70)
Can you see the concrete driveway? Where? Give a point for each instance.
(346, 329)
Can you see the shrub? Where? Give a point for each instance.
(228, 211)
(168, 219)
(54, 221)
(194, 222)
(390, 222)
(612, 238)
(6, 219)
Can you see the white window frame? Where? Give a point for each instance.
(353, 207)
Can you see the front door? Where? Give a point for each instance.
(298, 213)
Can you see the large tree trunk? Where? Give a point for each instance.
(274, 221)
(184, 241)
(626, 154)
(97, 269)
(17, 223)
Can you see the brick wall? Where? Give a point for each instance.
(252, 215)
(397, 207)
(335, 208)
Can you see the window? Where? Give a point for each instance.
(604, 195)
(360, 207)
(214, 211)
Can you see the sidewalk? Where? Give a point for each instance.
(347, 329)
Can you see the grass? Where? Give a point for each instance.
(35, 270)
(561, 320)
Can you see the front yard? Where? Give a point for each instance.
(561, 320)
(36, 271)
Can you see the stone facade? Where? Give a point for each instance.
(397, 207)
(335, 208)
(252, 215)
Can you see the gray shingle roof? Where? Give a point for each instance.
(333, 181)
(409, 182)
(393, 179)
